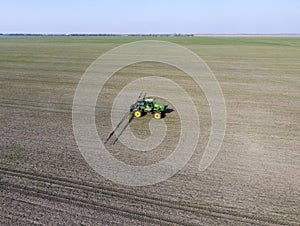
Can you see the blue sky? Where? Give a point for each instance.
(150, 16)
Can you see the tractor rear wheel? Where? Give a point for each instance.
(157, 115)
(137, 114)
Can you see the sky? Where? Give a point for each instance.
(150, 16)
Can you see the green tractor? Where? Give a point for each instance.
(148, 104)
(142, 106)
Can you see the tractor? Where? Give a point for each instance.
(142, 106)
(148, 104)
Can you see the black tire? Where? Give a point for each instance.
(137, 113)
(157, 115)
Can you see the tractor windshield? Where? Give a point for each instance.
(140, 103)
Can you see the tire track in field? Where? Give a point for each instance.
(35, 108)
(125, 197)
(57, 107)
(13, 219)
(124, 212)
(74, 213)
(85, 203)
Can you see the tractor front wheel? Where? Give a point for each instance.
(137, 114)
(157, 115)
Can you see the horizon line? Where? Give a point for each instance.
(150, 34)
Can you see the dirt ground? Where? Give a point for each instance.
(254, 180)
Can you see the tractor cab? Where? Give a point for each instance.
(141, 103)
(149, 103)
(149, 100)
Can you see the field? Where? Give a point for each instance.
(255, 178)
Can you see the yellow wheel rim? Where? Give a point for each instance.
(137, 114)
(157, 115)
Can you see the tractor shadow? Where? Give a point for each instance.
(168, 111)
